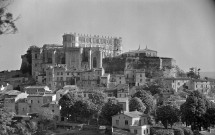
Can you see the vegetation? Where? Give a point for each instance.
(136, 104)
(7, 21)
(147, 99)
(9, 126)
(109, 109)
(194, 110)
(168, 115)
(194, 73)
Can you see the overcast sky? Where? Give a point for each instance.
(181, 29)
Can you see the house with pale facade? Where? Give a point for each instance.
(201, 85)
(135, 121)
(177, 84)
(120, 79)
(140, 78)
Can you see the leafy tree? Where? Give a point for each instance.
(193, 73)
(109, 109)
(67, 103)
(136, 104)
(167, 114)
(7, 25)
(98, 98)
(9, 126)
(194, 109)
(85, 109)
(210, 116)
(146, 98)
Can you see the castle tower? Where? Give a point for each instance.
(70, 40)
(36, 61)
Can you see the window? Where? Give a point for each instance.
(147, 130)
(31, 101)
(52, 110)
(61, 78)
(61, 95)
(144, 131)
(58, 73)
(135, 131)
(117, 122)
(120, 82)
(67, 73)
(140, 75)
(35, 56)
(38, 101)
(84, 95)
(61, 73)
(126, 122)
(119, 77)
(140, 80)
(178, 83)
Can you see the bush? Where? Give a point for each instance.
(187, 131)
(161, 131)
(178, 131)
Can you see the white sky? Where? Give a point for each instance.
(181, 29)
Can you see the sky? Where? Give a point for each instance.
(180, 29)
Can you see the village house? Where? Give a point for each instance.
(11, 98)
(135, 121)
(177, 84)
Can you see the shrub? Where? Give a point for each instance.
(161, 131)
(178, 131)
(187, 131)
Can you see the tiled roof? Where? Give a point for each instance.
(133, 114)
(179, 78)
(13, 92)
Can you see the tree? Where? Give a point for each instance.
(167, 114)
(210, 116)
(7, 25)
(67, 103)
(98, 98)
(9, 126)
(85, 109)
(136, 104)
(194, 109)
(147, 99)
(109, 109)
(194, 73)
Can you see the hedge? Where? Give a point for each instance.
(161, 131)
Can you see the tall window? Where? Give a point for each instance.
(126, 122)
(94, 62)
(135, 131)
